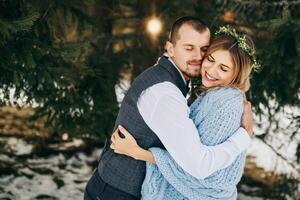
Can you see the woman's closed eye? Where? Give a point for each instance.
(224, 69)
(210, 58)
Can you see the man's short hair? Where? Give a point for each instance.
(194, 22)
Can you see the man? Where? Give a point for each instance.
(155, 112)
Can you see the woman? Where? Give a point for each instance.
(217, 114)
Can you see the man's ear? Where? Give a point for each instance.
(170, 48)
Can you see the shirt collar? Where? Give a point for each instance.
(180, 72)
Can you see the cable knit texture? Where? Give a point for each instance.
(217, 116)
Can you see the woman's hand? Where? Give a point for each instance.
(127, 145)
(247, 119)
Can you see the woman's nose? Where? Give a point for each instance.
(211, 69)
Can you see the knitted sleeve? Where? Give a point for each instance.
(217, 116)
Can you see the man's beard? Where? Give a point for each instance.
(192, 75)
(196, 73)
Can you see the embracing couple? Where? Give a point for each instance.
(164, 149)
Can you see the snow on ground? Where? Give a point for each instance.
(267, 159)
(53, 177)
(280, 138)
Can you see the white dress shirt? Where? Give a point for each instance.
(165, 111)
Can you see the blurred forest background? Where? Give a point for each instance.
(61, 61)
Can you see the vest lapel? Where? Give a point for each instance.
(166, 64)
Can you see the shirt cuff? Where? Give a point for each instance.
(241, 139)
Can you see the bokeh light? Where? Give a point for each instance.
(154, 26)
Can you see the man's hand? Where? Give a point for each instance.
(247, 120)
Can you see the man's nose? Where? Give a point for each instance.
(198, 54)
(202, 53)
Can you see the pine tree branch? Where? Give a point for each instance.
(8, 28)
(46, 11)
(259, 3)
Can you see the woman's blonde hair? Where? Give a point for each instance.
(241, 60)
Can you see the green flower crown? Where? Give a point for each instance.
(241, 40)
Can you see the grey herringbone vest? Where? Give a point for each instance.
(122, 172)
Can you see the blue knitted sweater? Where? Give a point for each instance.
(217, 115)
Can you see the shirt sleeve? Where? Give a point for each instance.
(165, 111)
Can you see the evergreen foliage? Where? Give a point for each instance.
(50, 54)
